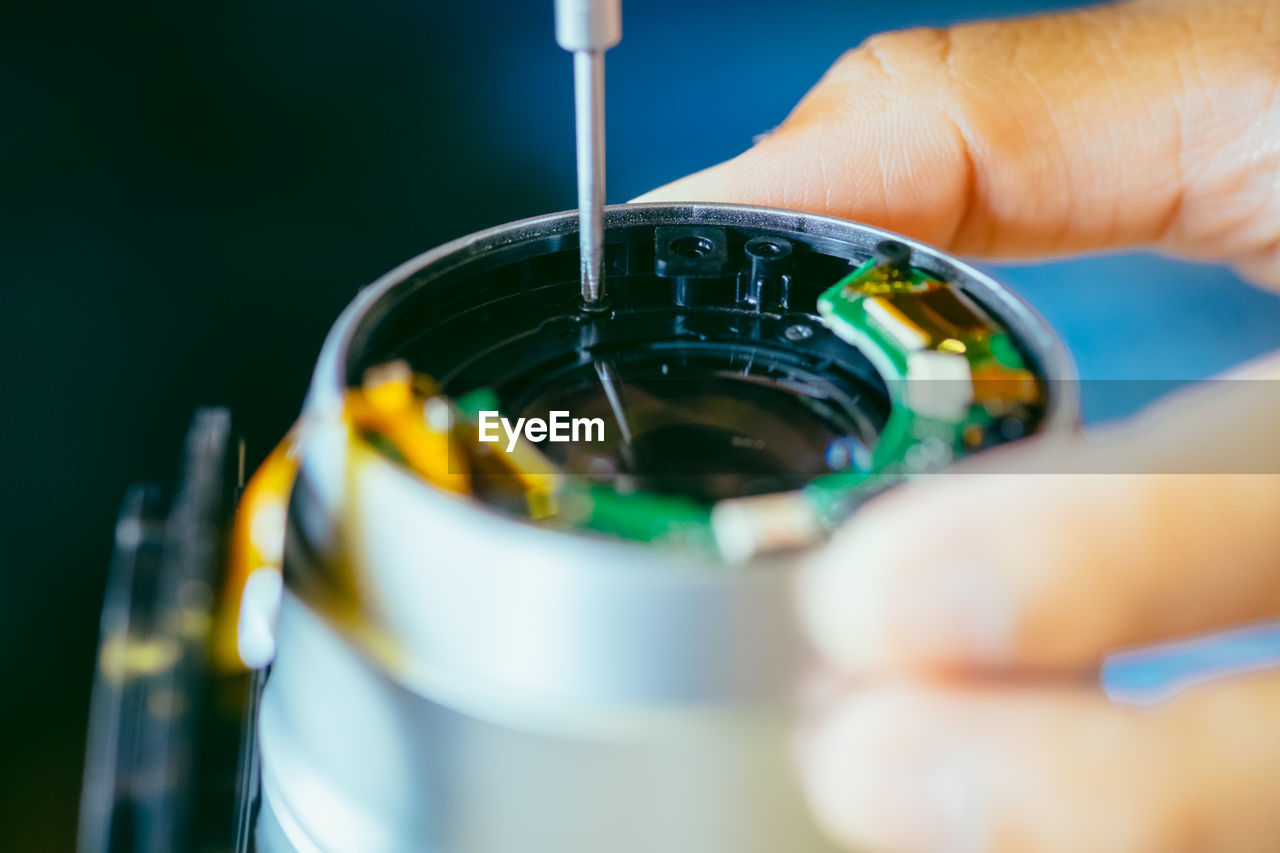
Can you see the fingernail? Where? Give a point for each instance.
(866, 604)
(960, 614)
(840, 614)
(926, 796)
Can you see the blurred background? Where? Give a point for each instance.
(193, 191)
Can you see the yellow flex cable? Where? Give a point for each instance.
(393, 405)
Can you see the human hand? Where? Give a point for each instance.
(1148, 123)
(966, 617)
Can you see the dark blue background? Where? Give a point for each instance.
(192, 191)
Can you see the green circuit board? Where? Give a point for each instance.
(957, 382)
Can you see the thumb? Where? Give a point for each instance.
(1042, 135)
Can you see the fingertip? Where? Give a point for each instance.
(907, 583)
(910, 766)
(881, 773)
(845, 591)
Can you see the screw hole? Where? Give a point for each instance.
(692, 247)
(768, 247)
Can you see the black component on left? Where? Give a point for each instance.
(170, 763)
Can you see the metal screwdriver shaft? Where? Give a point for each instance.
(588, 90)
(588, 28)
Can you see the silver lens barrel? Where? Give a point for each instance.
(490, 685)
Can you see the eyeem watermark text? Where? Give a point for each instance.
(559, 427)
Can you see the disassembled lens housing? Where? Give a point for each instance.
(589, 645)
(723, 366)
(480, 639)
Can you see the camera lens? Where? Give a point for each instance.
(709, 423)
(564, 623)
